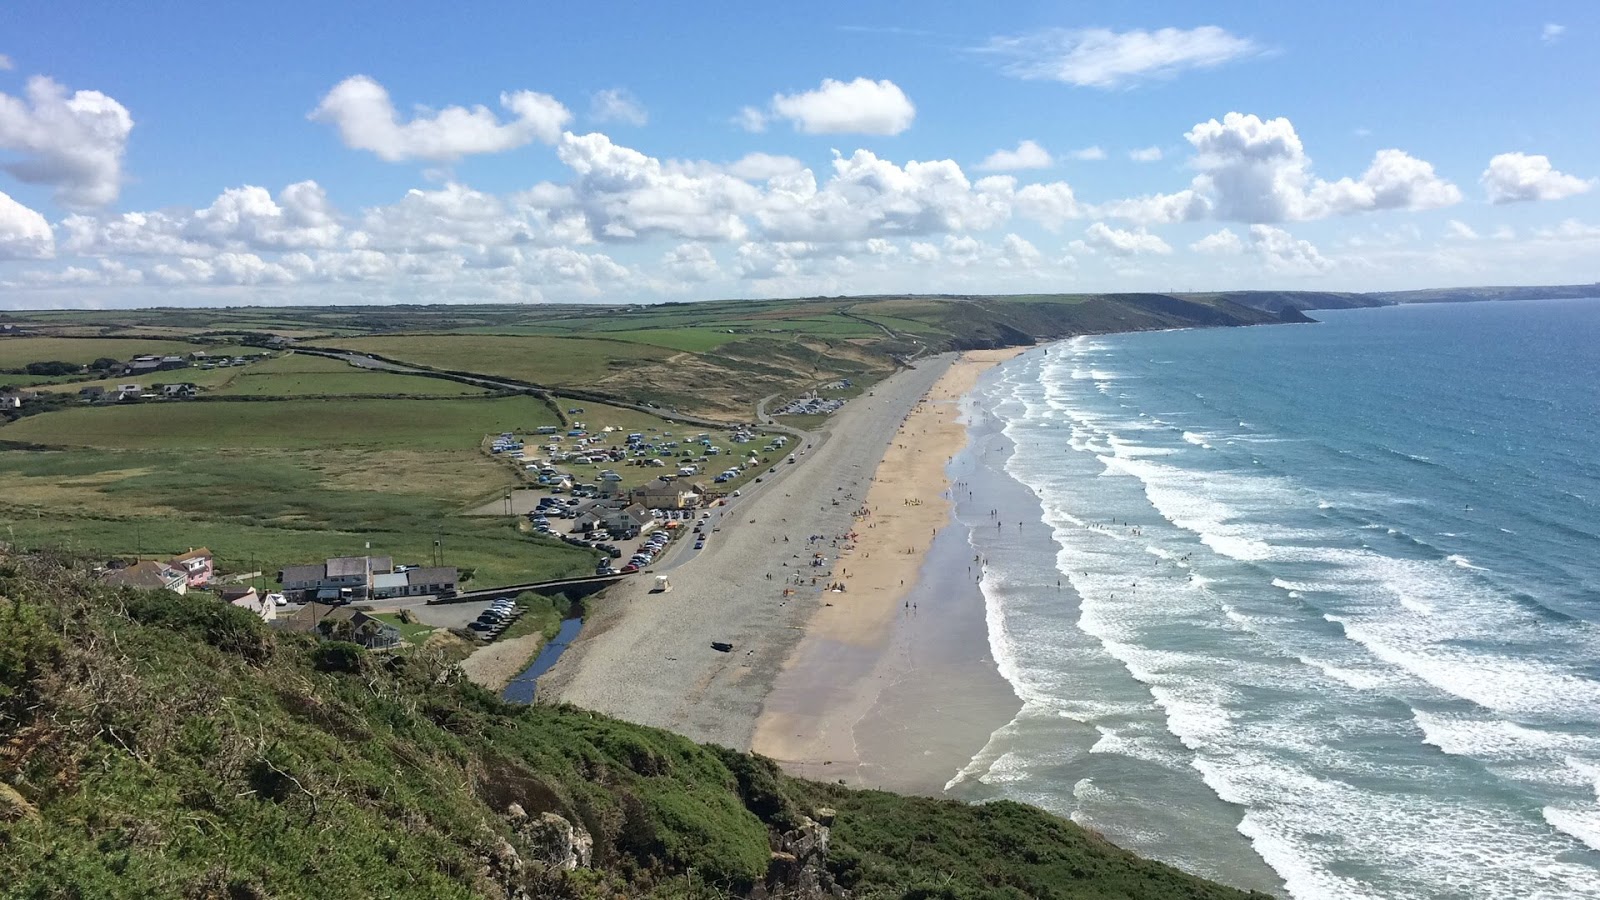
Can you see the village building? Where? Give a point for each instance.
(246, 598)
(663, 494)
(353, 578)
(197, 566)
(341, 623)
(416, 581)
(150, 575)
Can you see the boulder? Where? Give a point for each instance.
(558, 843)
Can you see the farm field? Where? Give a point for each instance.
(16, 352)
(285, 424)
(298, 374)
(539, 359)
(288, 375)
(279, 506)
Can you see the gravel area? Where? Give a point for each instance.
(648, 658)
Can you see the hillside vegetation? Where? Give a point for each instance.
(153, 745)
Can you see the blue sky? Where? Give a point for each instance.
(187, 153)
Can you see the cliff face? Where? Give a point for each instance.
(157, 745)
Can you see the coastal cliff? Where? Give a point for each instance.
(161, 745)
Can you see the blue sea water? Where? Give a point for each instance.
(1311, 608)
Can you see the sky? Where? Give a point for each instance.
(186, 153)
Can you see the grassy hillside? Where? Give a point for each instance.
(161, 746)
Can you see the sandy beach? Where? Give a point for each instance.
(648, 658)
(861, 644)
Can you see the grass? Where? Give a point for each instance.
(297, 374)
(290, 424)
(237, 762)
(412, 633)
(538, 359)
(16, 352)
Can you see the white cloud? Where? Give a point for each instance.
(24, 234)
(1051, 204)
(861, 106)
(1221, 243)
(1145, 154)
(1099, 57)
(1020, 251)
(6, 64)
(626, 195)
(1254, 170)
(617, 105)
(924, 252)
(1459, 230)
(1280, 251)
(1569, 230)
(762, 166)
(1157, 209)
(73, 144)
(1552, 32)
(1028, 155)
(1101, 236)
(692, 262)
(751, 119)
(1088, 154)
(872, 197)
(1513, 177)
(361, 110)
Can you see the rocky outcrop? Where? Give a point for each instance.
(552, 841)
(798, 865)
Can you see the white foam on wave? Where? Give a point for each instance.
(1199, 440)
(1356, 678)
(1583, 824)
(1113, 741)
(1287, 585)
(1464, 563)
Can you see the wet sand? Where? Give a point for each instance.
(892, 685)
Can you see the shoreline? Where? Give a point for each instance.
(648, 658)
(889, 687)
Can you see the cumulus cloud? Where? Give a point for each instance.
(1280, 251)
(868, 196)
(24, 234)
(74, 144)
(1459, 230)
(1102, 58)
(1220, 243)
(691, 262)
(626, 195)
(1514, 177)
(1088, 154)
(1145, 154)
(762, 166)
(1028, 155)
(862, 106)
(1551, 32)
(1255, 170)
(1103, 237)
(6, 64)
(363, 113)
(617, 105)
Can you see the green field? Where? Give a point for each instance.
(275, 507)
(16, 352)
(291, 424)
(298, 374)
(535, 358)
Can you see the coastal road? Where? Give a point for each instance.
(647, 657)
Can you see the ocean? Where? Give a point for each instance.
(1313, 609)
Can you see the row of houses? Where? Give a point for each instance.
(341, 623)
(347, 579)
